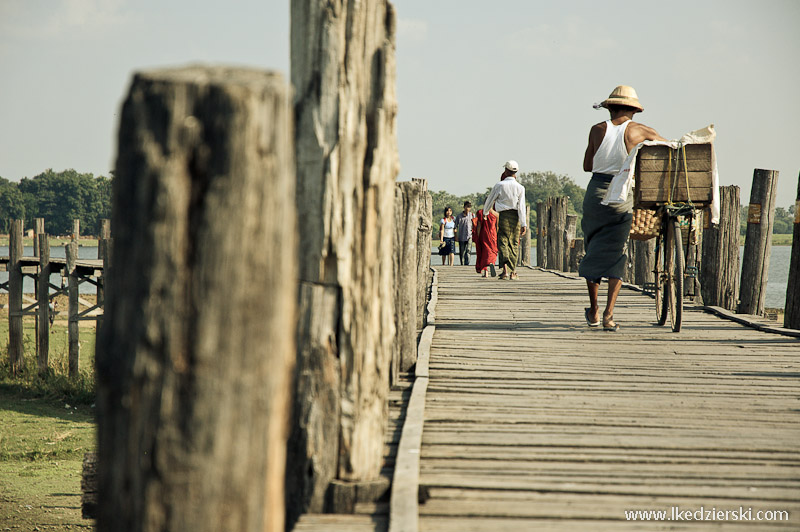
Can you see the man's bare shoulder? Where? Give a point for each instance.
(639, 132)
(600, 126)
(597, 132)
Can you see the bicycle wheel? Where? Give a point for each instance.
(659, 279)
(675, 267)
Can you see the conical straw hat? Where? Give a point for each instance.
(623, 95)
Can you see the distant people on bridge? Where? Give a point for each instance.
(464, 233)
(606, 228)
(486, 242)
(447, 236)
(508, 199)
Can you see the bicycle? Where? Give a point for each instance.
(670, 269)
(677, 186)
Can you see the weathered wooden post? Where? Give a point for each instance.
(195, 353)
(43, 312)
(758, 242)
(629, 275)
(343, 71)
(570, 229)
(576, 254)
(15, 345)
(424, 226)
(524, 257)
(406, 232)
(103, 253)
(719, 268)
(542, 219)
(555, 233)
(76, 230)
(644, 260)
(37, 234)
(791, 317)
(73, 331)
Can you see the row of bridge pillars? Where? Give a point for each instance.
(718, 279)
(20, 305)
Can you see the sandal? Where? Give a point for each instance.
(610, 325)
(513, 277)
(503, 276)
(590, 323)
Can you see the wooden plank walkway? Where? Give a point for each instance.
(533, 421)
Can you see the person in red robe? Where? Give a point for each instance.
(485, 241)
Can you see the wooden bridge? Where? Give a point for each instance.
(39, 268)
(534, 421)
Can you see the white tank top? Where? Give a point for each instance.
(612, 151)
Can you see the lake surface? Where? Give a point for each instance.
(776, 282)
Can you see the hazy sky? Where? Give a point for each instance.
(478, 82)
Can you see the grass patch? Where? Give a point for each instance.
(41, 453)
(55, 384)
(47, 423)
(781, 240)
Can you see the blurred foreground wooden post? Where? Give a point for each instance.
(719, 269)
(343, 72)
(73, 331)
(43, 298)
(524, 258)
(570, 230)
(195, 353)
(15, 344)
(424, 226)
(758, 242)
(791, 318)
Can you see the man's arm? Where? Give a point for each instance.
(489, 203)
(522, 212)
(596, 135)
(636, 133)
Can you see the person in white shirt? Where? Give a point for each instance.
(508, 199)
(447, 236)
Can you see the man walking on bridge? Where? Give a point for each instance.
(464, 233)
(606, 228)
(508, 199)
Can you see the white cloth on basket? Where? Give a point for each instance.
(620, 185)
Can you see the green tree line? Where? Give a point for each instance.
(783, 224)
(59, 198)
(538, 187)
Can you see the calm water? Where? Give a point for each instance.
(778, 275)
(776, 283)
(56, 252)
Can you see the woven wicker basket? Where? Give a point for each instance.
(646, 224)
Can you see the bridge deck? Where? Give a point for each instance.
(533, 421)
